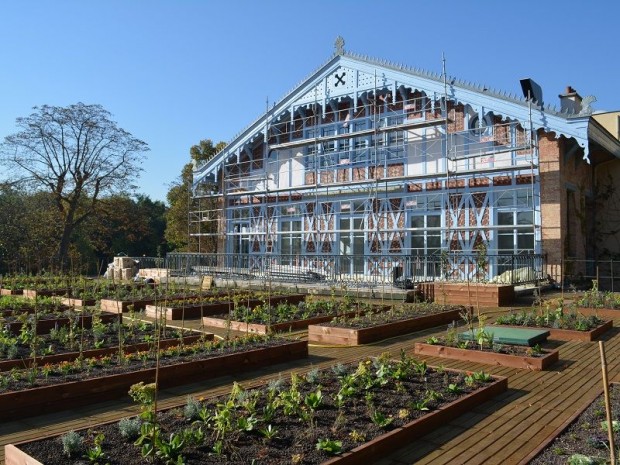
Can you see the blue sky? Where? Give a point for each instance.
(175, 72)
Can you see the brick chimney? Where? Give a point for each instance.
(570, 101)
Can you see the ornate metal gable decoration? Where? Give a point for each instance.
(339, 46)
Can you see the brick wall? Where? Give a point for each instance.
(551, 188)
(564, 229)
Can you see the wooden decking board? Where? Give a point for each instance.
(493, 442)
(480, 446)
(518, 427)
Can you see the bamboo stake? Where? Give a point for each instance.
(610, 429)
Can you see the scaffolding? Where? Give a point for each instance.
(382, 183)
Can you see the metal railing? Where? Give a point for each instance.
(579, 274)
(362, 270)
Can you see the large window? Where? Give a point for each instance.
(426, 245)
(515, 221)
(352, 244)
(516, 233)
(290, 241)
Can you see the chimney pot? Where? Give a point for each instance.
(571, 101)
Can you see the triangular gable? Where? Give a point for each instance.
(347, 74)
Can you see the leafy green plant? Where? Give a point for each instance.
(145, 395)
(454, 388)
(356, 436)
(170, 450)
(481, 376)
(330, 446)
(269, 432)
(129, 428)
(192, 408)
(72, 443)
(246, 424)
(314, 399)
(580, 459)
(313, 376)
(379, 419)
(419, 405)
(95, 453)
(615, 426)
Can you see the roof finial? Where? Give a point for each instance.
(339, 46)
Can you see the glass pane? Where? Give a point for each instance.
(417, 222)
(359, 206)
(434, 242)
(525, 218)
(286, 246)
(505, 218)
(358, 245)
(505, 241)
(417, 241)
(345, 245)
(434, 221)
(525, 241)
(296, 245)
(524, 198)
(505, 199)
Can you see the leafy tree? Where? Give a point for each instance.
(12, 227)
(133, 226)
(181, 202)
(29, 224)
(77, 154)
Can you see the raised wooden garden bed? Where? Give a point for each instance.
(4, 291)
(356, 336)
(368, 452)
(258, 328)
(78, 302)
(488, 358)
(122, 306)
(6, 365)
(191, 311)
(45, 399)
(20, 310)
(387, 443)
(34, 293)
(558, 334)
(45, 325)
(608, 313)
(216, 308)
(472, 294)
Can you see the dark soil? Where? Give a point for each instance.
(497, 348)
(61, 341)
(584, 436)
(297, 437)
(17, 380)
(404, 312)
(569, 320)
(286, 313)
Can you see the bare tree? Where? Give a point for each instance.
(76, 153)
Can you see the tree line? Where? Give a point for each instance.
(68, 201)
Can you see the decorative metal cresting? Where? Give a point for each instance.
(586, 108)
(339, 46)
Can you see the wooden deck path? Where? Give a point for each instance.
(502, 431)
